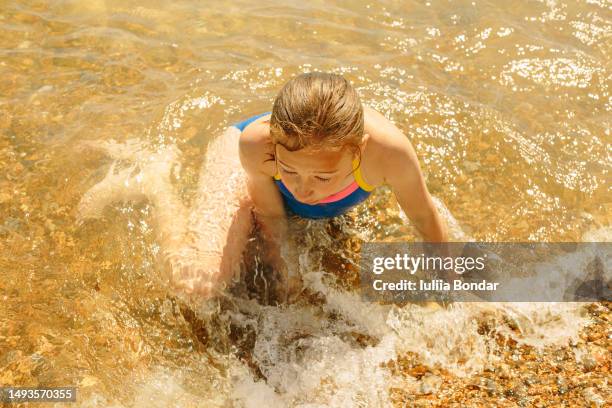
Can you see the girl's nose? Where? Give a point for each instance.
(304, 197)
(303, 194)
(303, 191)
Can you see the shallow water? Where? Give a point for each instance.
(507, 105)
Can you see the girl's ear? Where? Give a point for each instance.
(364, 140)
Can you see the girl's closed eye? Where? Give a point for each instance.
(321, 179)
(287, 171)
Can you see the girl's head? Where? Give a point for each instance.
(317, 128)
(319, 111)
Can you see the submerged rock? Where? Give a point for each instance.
(430, 384)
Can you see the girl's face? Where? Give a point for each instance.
(312, 176)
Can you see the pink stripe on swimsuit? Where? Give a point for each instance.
(342, 193)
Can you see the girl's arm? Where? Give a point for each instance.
(268, 209)
(403, 174)
(267, 201)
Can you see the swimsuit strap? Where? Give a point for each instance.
(359, 178)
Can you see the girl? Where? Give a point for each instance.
(318, 153)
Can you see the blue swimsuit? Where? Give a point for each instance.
(331, 206)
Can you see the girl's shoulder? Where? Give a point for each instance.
(256, 148)
(383, 132)
(383, 141)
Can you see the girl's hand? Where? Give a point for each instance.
(280, 253)
(284, 259)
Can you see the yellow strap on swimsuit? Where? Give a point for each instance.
(359, 178)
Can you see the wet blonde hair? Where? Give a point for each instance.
(317, 110)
